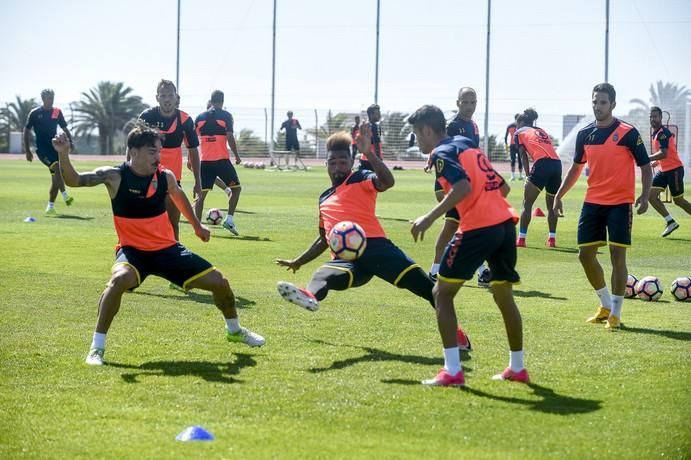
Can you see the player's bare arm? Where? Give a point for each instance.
(233, 147)
(659, 155)
(646, 183)
(104, 175)
(195, 162)
(318, 246)
(458, 192)
(524, 158)
(27, 145)
(183, 204)
(570, 180)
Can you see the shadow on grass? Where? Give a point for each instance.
(395, 219)
(228, 236)
(220, 372)
(676, 335)
(70, 216)
(551, 402)
(193, 296)
(376, 355)
(543, 295)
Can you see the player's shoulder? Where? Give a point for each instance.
(523, 129)
(361, 175)
(665, 131)
(35, 110)
(148, 114)
(184, 116)
(586, 130)
(449, 148)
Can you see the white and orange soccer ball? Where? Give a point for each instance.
(649, 288)
(630, 291)
(214, 216)
(347, 240)
(681, 288)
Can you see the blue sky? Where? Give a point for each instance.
(546, 54)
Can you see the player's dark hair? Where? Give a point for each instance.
(429, 115)
(515, 117)
(290, 113)
(47, 92)
(528, 116)
(217, 97)
(656, 109)
(371, 109)
(339, 141)
(164, 83)
(606, 88)
(142, 135)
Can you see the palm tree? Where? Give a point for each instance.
(671, 98)
(249, 144)
(17, 112)
(107, 108)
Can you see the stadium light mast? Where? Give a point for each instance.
(606, 41)
(485, 144)
(177, 56)
(273, 85)
(376, 61)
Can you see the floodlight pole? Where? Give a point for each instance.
(177, 58)
(273, 85)
(606, 41)
(485, 144)
(376, 62)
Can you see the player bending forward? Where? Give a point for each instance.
(146, 244)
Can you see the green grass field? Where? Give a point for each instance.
(338, 383)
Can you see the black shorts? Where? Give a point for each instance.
(176, 264)
(466, 251)
(546, 173)
(292, 144)
(48, 156)
(222, 169)
(674, 179)
(597, 221)
(381, 258)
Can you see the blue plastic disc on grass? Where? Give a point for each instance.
(194, 433)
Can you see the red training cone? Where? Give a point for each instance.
(538, 213)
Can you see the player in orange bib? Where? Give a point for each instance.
(671, 174)
(138, 189)
(612, 149)
(353, 197)
(487, 231)
(535, 145)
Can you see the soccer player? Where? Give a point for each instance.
(461, 125)
(671, 172)
(215, 130)
(146, 245)
(291, 125)
(535, 144)
(513, 150)
(352, 197)
(354, 133)
(487, 231)
(611, 148)
(373, 117)
(44, 120)
(176, 126)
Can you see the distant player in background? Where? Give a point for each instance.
(671, 174)
(176, 126)
(461, 125)
(534, 144)
(355, 133)
(487, 232)
(146, 244)
(612, 149)
(352, 197)
(44, 120)
(291, 126)
(513, 150)
(373, 117)
(215, 130)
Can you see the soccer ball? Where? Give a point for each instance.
(347, 240)
(649, 288)
(214, 216)
(681, 288)
(631, 282)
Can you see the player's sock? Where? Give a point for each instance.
(481, 268)
(516, 361)
(434, 270)
(452, 360)
(229, 191)
(233, 325)
(65, 195)
(522, 233)
(605, 298)
(98, 341)
(552, 234)
(669, 218)
(51, 205)
(617, 302)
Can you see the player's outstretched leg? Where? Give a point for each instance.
(503, 297)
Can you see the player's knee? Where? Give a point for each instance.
(654, 195)
(680, 201)
(121, 281)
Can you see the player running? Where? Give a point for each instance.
(510, 145)
(535, 145)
